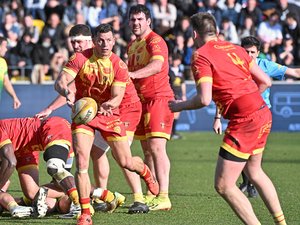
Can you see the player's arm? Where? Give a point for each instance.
(293, 72)
(202, 99)
(58, 102)
(217, 126)
(10, 90)
(62, 87)
(117, 94)
(150, 69)
(262, 80)
(8, 163)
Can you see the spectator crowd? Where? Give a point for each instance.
(38, 43)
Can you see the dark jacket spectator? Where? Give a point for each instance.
(55, 29)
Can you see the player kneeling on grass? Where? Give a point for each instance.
(20, 141)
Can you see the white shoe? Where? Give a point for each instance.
(41, 203)
(22, 211)
(75, 210)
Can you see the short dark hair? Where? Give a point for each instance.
(291, 15)
(103, 28)
(2, 39)
(176, 56)
(139, 8)
(204, 24)
(251, 41)
(80, 29)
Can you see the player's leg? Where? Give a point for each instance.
(122, 154)
(148, 159)
(103, 199)
(158, 131)
(44, 198)
(82, 143)
(28, 173)
(161, 163)
(226, 175)
(265, 188)
(134, 181)
(246, 185)
(100, 167)
(56, 157)
(100, 170)
(8, 202)
(130, 115)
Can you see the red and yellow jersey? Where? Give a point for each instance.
(226, 66)
(95, 76)
(140, 54)
(32, 134)
(130, 95)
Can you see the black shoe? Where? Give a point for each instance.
(100, 206)
(138, 207)
(252, 192)
(243, 187)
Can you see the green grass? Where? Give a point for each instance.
(192, 194)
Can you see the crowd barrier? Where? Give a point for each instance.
(285, 100)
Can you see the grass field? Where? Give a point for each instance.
(192, 194)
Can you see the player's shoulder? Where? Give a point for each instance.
(266, 63)
(117, 60)
(84, 55)
(154, 38)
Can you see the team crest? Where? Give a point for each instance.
(156, 48)
(155, 40)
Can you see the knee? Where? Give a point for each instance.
(56, 169)
(220, 188)
(254, 176)
(126, 163)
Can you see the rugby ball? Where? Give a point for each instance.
(84, 110)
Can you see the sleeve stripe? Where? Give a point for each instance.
(69, 71)
(120, 84)
(5, 142)
(204, 79)
(159, 57)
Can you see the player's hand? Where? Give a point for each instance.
(43, 114)
(217, 126)
(17, 103)
(174, 105)
(105, 109)
(70, 97)
(131, 75)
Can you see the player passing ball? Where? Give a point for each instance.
(100, 74)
